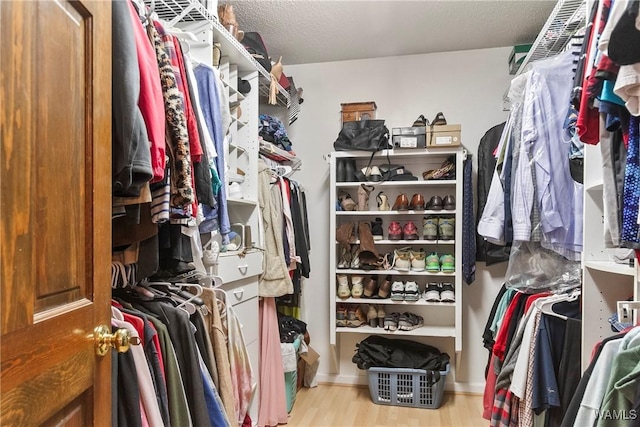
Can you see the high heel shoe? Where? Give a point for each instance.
(346, 201)
(383, 202)
(363, 196)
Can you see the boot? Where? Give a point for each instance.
(350, 170)
(340, 171)
(368, 252)
(363, 197)
(343, 235)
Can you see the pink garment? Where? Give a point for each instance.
(273, 404)
(489, 390)
(150, 102)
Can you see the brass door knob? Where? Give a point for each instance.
(120, 340)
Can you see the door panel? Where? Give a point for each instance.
(55, 182)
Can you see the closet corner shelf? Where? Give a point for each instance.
(191, 11)
(388, 301)
(611, 267)
(409, 242)
(432, 331)
(595, 187)
(274, 153)
(245, 202)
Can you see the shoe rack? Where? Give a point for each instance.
(440, 319)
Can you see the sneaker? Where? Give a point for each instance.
(446, 228)
(447, 293)
(432, 292)
(433, 263)
(397, 291)
(448, 263)
(409, 321)
(430, 226)
(402, 259)
(410, 231)
(376, 229)
(395, 231)
(418, 262)
(391, 321)
(411, 291)
(357, 288)
(343, 286)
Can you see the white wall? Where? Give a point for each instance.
(468, 87)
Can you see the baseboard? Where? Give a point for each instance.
(361, 381)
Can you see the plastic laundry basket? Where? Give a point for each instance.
(406, 387)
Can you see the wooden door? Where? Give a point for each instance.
(55, 183)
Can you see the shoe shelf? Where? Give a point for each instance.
(395, 272)
(389, 301)
(443, 183)
(395, 213)
(432, 331)
(410, 242)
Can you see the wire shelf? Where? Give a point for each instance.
(192, 11)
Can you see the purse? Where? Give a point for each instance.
(254, 44)
(363, 135)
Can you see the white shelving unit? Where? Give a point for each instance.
(605, 282)
(442, 320)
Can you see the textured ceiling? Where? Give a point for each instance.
(308, 31)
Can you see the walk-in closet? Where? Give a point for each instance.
(320, 213)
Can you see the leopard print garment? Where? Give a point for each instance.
(181, 187)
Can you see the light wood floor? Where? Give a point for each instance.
(344, 406)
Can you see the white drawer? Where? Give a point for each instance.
(247, 313)
(241, 290)
(232, 267)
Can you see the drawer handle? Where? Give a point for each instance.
(243, 268)
(239, 293)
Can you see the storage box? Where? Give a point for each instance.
(444, 136)
(406, 387)
(290, 388)
(354, 111)
(516, 57)
(409, 141)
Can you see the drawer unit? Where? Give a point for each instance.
(247, 313)
(232, 267)
(355, 111)
(241, 291)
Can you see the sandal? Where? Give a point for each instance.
(409, 321)
(391, 321)
(420, 121)
(346, 201)
(363, 197)
(439, 120)
(355, 317)
(383, 202)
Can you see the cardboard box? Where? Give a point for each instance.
(409, 141)
(518, 53)
(444, 136)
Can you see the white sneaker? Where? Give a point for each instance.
(343, 286)
(397, 291)
(411, 291)
(432, 292)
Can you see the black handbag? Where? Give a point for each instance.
(252, 41)
(363, 135)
